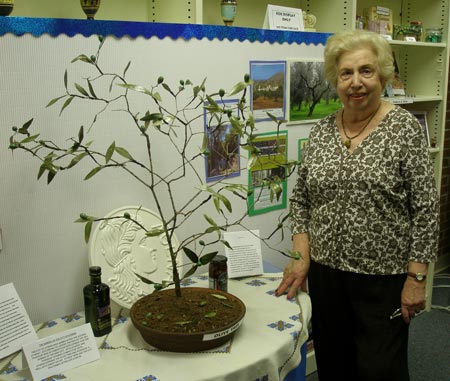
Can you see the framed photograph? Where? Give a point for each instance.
(266, 167)
(268, 92)
(422, 118)
(223, 160)
(311, 97)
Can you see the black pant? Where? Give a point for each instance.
(354, 337)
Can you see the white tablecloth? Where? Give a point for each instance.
(266, 347)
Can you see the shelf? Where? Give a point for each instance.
(400, 100)
(440, 45)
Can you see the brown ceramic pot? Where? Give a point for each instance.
(200, 319)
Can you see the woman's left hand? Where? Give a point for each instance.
(413, 298)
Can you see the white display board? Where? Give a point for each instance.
(43, 250)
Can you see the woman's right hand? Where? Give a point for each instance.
(294, 277)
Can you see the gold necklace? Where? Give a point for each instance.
(348, 142)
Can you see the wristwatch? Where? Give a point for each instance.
(419, 277)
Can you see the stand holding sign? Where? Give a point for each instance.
(283, 18)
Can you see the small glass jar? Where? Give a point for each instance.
(433, 35)
(218, 273)
(416, 30)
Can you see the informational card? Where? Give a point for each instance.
(244, 257)
(16, 329)
(60, 352)
(283, 18)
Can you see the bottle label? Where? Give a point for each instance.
(103, 317)
(220, 283)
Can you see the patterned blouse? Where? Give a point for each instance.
(371, 211)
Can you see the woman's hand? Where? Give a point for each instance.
(296, 271)
(413, 299)
(294, 277)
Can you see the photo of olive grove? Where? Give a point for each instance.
(311, 96)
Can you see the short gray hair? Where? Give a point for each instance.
(347, 41)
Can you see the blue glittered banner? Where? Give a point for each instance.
(71, 27)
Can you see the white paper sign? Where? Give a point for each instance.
(60, 352)
(283, 18)
(244, 259)
(15, 325)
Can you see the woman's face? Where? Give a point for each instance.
(359, 85)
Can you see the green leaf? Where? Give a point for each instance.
(81, 134)
(138, 88)
(219, 296)
(226, 244)
(87, 231)
(54, 100)
(217, 204)
(91, 89)
(237, 125)
(145, 280)
(205, 259)
(157, 97)
(204, 147)
(276, 189)
(213, 103)
(155, 232)
(123, 152)
(66, 103)
(210, 220)
(51, 175)
(273, 117)
(183, 322)
(42, 170)
(109, 152)
(65, 79)
(24, 129)
(190, 254)
(157, 116)
(191, 271)
(82, 57)
(81, 90)
(237, 88)
(212, 229)
(225, 201)
(30, 139)
(167, 88)
(210, 314)
(77, 159)
(93, 172)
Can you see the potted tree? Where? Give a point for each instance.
(172, 114)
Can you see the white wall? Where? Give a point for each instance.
(43, 252)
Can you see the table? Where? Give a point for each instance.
(266, 347)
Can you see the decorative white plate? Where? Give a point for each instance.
(123, 250)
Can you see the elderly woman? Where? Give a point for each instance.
(364, 219)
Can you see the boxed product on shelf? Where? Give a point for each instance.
(378, 19)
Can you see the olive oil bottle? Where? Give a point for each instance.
(97, 305)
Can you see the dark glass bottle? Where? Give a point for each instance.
(218, 273)
(97, 305)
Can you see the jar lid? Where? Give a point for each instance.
(95, 270)
(219, 258)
